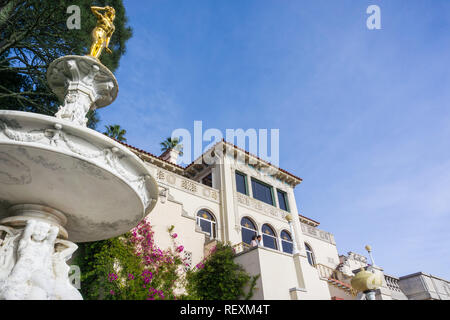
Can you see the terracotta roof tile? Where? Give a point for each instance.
(309, 219)
(149, 154)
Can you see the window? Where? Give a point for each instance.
(269, 238)
(207, 222)
(207, 181)
(310, 255)
(262, 191)
(286, 242)
(282, 200)
(248, 230)
(241, 183)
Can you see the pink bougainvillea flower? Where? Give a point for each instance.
(153, 260)
(112, 277)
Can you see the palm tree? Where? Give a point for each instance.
(170, 143)
(115, 132)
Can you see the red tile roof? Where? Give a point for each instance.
(314, 221)
(148, 153)
(340, 283)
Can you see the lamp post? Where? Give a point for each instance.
(367, 281)
(288, 217)
(369, 250)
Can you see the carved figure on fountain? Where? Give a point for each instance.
(31, 275)
(33, 269)
(63, 289)
(9, 238)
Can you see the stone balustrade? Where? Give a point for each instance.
(187, 185)
(260, 206)
(324, 271)
(317, 233)
(392, 283)
(240, 247)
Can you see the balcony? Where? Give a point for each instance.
(276, 269)
(283, 276)
(187, 185)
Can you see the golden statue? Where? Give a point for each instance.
(101, 35)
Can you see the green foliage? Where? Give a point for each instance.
(96, 259)
(130, 267)
(116, 132)
(170, 143)
(33, 33)
(219, 277)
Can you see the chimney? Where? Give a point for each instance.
(170, 155)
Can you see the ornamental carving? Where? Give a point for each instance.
(188, 185)
(187, 260)
(33, 264)
(64, 142)
(160, 175)
(171, 179)
(83, 84)
(316, 233)
(259, 206)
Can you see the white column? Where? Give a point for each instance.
(296, 222)
(231, 226)
(294, 241)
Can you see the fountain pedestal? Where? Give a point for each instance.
(62, 183)
(83, 83)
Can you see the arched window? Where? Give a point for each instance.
(207, 222)
(286, 242)
(310, 255)
(269, 238)
(248, 230)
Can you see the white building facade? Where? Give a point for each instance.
(230, 195)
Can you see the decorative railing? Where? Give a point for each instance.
(330, 275)
(240, 247)
(343, 286)
(392, 283)
(324, 271)
(260, 206)
(188, 185)
(317, 233)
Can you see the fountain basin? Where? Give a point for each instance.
(100, 187)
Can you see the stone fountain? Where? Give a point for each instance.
(62, 183)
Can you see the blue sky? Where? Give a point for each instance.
(363, 115)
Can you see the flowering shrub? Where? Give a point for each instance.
(218, 277)
(131, 267)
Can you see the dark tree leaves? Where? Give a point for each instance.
(33, 33)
